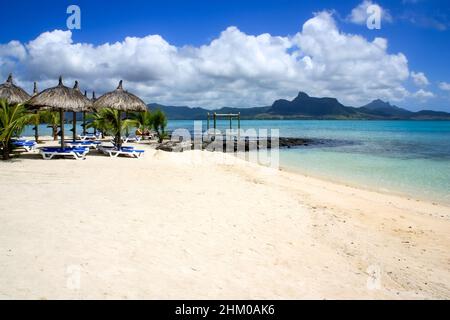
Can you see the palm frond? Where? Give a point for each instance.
(13, 119)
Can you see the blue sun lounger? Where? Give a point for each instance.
(76, 153)
(89, 136)
(129, 139)
(114, 152)
(133, 138)
(24, 144)
(84, 144)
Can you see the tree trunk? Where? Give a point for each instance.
(55, 132)
(6, 151)
(36, 133)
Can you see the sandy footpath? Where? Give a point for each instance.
(189, 225)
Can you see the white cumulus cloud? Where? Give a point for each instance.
(419, 79)
(235, 69)
(423, 94)
(444, 86)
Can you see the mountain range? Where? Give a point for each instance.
(306, 107)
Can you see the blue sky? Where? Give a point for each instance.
(417, 29)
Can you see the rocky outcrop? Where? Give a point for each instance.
(235, 145)
(175, 146)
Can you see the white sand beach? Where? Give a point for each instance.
(187, 226)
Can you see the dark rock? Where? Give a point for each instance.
(220, 144)
(251, 145)
(175, 146)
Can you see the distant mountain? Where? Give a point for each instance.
(431, 115)
(306, 107)
(180, 113)
(187, 113)
(381, 108)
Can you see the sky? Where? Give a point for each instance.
(234, 53)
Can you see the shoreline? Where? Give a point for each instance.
(210, 226)
(355, 184)
(334, 180)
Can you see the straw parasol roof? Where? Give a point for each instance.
(120, 99)
(12, 93)
(60, 98)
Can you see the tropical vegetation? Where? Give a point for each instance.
(143, 121)
(13, 119)
(159, 122)
(35, 120)
(110, 121)
(52, 119)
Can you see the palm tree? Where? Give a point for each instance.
(35, 120)
(143, 120)
(13, 118)
(159, 120)
(98, 122)
(51, 118)
(110, 120)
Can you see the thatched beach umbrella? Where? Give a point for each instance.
(12, 93)
(121, 100)
(60, 98)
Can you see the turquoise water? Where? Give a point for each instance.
(409, 157)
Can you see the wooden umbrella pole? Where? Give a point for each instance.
(126, 129)
(119, 134)
(36, 129)
(84, 123)
(61, 119)
(74, 123)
